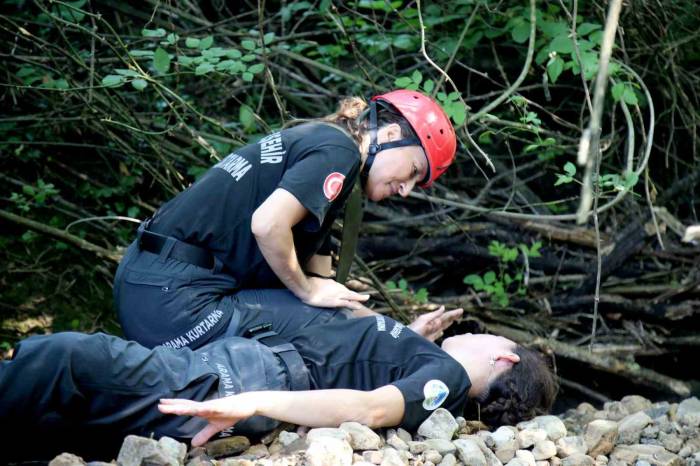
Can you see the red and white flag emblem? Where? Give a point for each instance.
(333, 185)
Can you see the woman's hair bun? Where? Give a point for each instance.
(351, 107)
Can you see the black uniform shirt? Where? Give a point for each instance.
(368, 353)
(317, 163)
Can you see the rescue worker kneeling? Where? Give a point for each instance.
(84, 393)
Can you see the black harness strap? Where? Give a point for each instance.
(296, 369)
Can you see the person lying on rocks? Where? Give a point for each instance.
(84, 393)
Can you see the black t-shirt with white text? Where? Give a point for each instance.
(315, 162)
(368, 353)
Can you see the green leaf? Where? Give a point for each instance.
(191, 42)
(127, 72)
(391, 285)
(562, 44)
(402, 82)
(521, 32)
(256, 68)
(485, 137)
(570, 168)
(247, 76)
(141, 53)
(630, 180)
(233, 53)
(268, 38)
(249, 58)
(204, 68)
(617, 90)
(459, 113)
(587, 28)
(417, 77)
(171, 38)
(553, 29)
(248, 44)
(246, 117)
(474, 280)
(629, 96)
(160, 32)
(554, 68)
(161, 60)
(206, 43)
(428, 86)
(139, 84)
(113, 80)
(563, 179)
(404, 42)
(490, 277)
(403, 284)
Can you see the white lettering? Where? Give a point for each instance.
(235, 165)
(197, 331)
(396, 331)
(271, 149)
(381, 325)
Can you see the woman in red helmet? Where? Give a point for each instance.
(216, 259)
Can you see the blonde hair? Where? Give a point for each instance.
(351, 114)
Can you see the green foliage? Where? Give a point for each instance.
(407, 293)
(500, 285)
(567, 176)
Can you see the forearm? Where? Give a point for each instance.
(322, 408)
(277, 247)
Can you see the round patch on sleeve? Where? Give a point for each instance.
(435, 392)
(333, 185)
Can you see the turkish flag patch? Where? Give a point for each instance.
(333, 185)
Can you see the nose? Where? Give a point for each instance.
(406, 187)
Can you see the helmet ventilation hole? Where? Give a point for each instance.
(428, 136)
(441, 131)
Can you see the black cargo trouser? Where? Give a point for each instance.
(164, 301)
(84, 393)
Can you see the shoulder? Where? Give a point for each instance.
(321, 135)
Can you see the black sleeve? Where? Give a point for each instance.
(439, 383)
(321, 177)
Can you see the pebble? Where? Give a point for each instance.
(228, 446)
(139, 450)
(631, 427)
(544, 450)
(689, 412)
(67, 459)
(469, 452)
(448, 460)
(361, 436)
(567, 446)
(325, 450)
(441, 424)
(530, 436)
(600, 437)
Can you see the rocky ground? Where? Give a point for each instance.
(632, 431)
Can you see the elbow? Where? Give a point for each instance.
(261, 225)
(376, 417)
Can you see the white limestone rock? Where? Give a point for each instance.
(325, 450)
(361, 436)
(441, 424)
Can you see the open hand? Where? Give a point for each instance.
(432, 324)
(329, 293)
(221, 413)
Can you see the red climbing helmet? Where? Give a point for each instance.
(431, 125)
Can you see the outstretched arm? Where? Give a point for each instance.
(382, 407)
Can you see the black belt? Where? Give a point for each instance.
(296, 369)
(154, 242)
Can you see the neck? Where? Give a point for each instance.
(477, 372)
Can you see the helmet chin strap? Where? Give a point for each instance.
(375, 148)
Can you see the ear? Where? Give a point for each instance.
(393, 132)
(508, 357)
